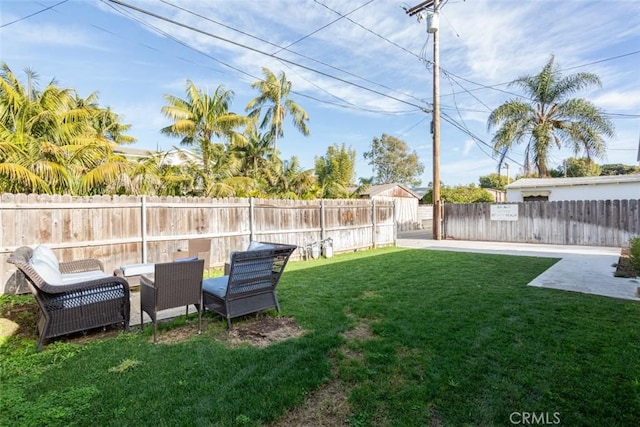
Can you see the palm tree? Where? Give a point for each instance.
(255, 154)
(288, 180)
(201, 117)
(274, 94)
(550, 118)
(51, 141)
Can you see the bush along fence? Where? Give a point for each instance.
(120, 230)
(576, 222)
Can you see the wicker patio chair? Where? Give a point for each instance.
(86, 298)
(251, 283)
(174, 284)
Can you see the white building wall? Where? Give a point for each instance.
(600, 191)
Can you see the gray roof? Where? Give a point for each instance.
(374, 190)
(569, 182)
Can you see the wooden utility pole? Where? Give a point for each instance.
(433, 29)
(437, 208)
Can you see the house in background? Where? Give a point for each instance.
(406, 203)
(131, 153)
(175, 156)
(499, 196)
(616, 187)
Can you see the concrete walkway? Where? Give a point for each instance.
(586, 269)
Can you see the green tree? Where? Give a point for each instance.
(493, 180)
(576, 167)
(392, 161)
(288, 180)
(53, 141)
(154, 175)
(201, 117)
(550, 118)
(274, 97)
(460, 194)
(336, 171)
(255, 154)
(619, 169)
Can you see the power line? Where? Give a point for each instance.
(238, 44)
(33, 14)
(611, 58)
(324, 26)
(367, 29)
(493, 87)
(280, 48)
(164, 33)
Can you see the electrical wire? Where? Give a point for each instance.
(280, 48)
(420, 108)
(33, 14)
(323, 27)
(366, 29)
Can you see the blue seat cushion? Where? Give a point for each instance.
(186, 259)
(216, 286)
(258, 246)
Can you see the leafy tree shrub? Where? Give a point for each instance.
(494, 180)
(460, 194)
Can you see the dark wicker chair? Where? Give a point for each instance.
(251, 283)
(174, 284)
(75, 307)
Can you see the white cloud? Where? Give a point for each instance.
(469, 144)
(617, 101)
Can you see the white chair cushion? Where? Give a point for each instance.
(83, 276)
(44, 269)
(137, 269)
(44, 253)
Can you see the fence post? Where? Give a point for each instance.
(252, 231)
(373, 222)
(395, 222)
(143, 225)
(322, 223)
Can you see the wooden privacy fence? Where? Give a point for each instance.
(575, 222)
(121, 230)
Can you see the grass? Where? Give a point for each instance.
(456, 339)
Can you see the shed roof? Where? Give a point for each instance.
(375, 190)
(572, 182)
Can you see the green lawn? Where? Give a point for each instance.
(454, 339)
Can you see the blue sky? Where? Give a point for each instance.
(358, 74)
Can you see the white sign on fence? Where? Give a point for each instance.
(504, 212)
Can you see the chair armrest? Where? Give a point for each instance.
(81, 265)
(147, 282)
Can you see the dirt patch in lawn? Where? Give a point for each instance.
(624, 267)
(262, 331)
(361, 332)
(326, 407)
